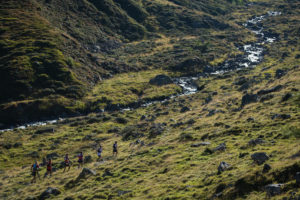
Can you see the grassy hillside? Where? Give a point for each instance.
(54, 52)
(158, 153)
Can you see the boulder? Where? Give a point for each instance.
(267, 91)
(87, 159)
(200, 144)
(255, 142)
(221, 147)
(297, 178)
(249, 98)
(52, 155)
(260, 157)
(86, 172)
(279, 73)
(160, 80)
(156, 129)
(48, 193)
(273, 189)
(266, 168)
(286, 97)
(222, 167)
(45, 130)
(280, 116)
(185, 109)
(107, 173)
(122, 192)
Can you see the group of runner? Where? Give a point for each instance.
(67, 163)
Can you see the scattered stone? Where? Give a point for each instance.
(260, 157)
(250, 119)
(280, 116)
(267, 91)
(107, 173)
(249, 98)
(279, 73)
(121, 120)
(222, 167)
(266, 168)
(190, 121)
(161, 80)
(242, 155)
(143, 117)
(121, 192)
(273, 189)
(185, 109)
(286, 97)
(17, 144)
(297, 178)
(213, 112)
(221, 147)
(200, 144)
(48, 193)
(255, 142)
(266, 97)
(240, 81)
(45, 130)
(52, 155)
(87, 159)
(86, 172)
(155, 130)
(34, 154)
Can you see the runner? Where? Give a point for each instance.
(49, 168)
(34, 169)
(67, 162)
(99, 151)
(80, 160)
(115, 149)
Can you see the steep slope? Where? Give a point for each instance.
(173, 149)
(54, 52)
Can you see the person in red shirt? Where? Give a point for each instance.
(67, 162)
(49, 168)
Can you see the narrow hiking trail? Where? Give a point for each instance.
(253, 55)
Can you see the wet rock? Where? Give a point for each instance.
(45, 130)
(221, 147)
(85, 173)
(266, 168)
(286, 97)
(273, 189)
(200, 144)
(122, 192)
(297, 178)
(267, 91)
(222, 167)
(185, 109)
(280, 116)
(87, 159)
(255, 142)
(48, 193)
(279, 73)
(161, 80)
(260, 157)
(249, 98)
